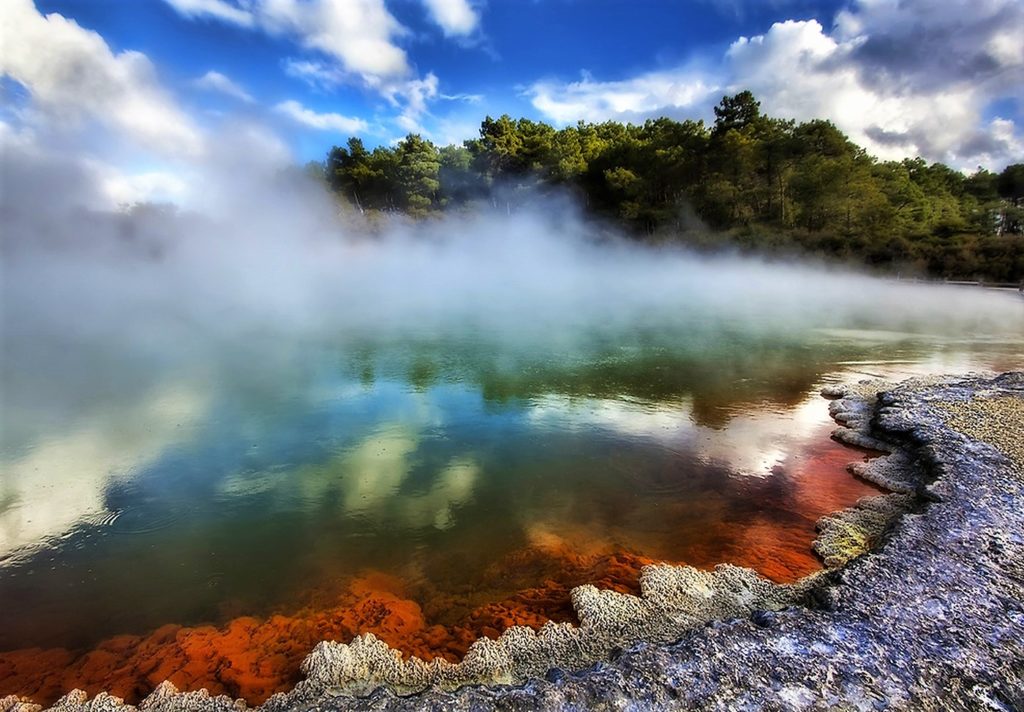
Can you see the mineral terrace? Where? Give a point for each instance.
(921, 606)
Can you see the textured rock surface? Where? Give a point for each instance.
(931, 619)
(673, 599)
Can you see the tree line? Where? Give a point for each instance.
(748, 180)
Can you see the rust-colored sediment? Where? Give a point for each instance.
(254, 658)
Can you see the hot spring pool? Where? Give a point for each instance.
(218, 453)
(430, 489)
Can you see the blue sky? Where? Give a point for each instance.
(938, 78)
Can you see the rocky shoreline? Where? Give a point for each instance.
(931, 618)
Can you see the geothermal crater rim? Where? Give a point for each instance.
(673, 599)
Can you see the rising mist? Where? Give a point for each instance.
(96, 301)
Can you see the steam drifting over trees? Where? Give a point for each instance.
(750, 180)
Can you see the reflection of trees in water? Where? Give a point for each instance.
(719, 371)
(264, 481)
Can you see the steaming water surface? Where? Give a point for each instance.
(255, 489)
(196, 432)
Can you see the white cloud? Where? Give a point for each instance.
(904, 106)
(98, 129)
(316, 74)
(218, 9)
(413, 96)
(901, 79)
(354, 40)
(215, 81)
(73, 75)
(928, 43)
(33, 170)
(797, 71)
(323, 122)
(136, 434)
(457, 18)
(452, 131)
(359, 34)
(147, 187)
(997, 143)
(467, 98)
(653, 93)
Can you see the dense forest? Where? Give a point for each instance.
(750, 181)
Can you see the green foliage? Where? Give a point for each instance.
(459, 183)
(754, 181)
(419, 166)
(735, 113)
(316, 170)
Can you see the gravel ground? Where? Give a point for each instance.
(998, 420)
(931, 619)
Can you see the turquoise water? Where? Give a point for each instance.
(188, 489)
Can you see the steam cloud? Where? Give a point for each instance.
(96, 302)
(120, 327)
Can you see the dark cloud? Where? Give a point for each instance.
(981, 143)
(922, 47)
(976, 146)
(888, 138)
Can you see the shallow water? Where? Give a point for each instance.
(457, 483)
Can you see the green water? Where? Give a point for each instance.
(188, 489)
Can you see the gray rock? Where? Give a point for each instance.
(932, 618)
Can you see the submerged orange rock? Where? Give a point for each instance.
(252, 658)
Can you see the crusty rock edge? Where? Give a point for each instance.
(675, 601)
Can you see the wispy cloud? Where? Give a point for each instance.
(320, 76)
(322, 122)
(412, 96)
(216, 9)
(349, 41)
(358, 34)
(644, 95)
(215, 81)
(466, 98)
